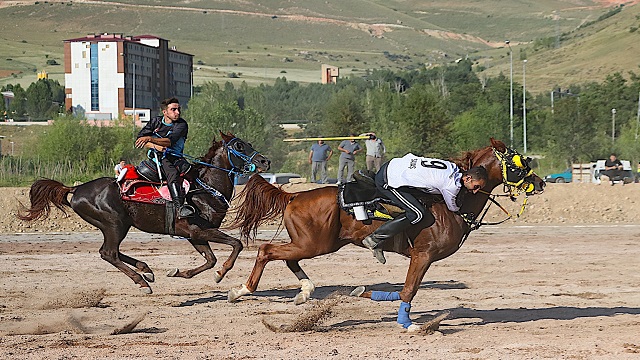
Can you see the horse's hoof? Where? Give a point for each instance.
(149, 277)
(357, 291)
(301, 298)
(414, 328)
(233, 295)
(173, 273)
(216, 277)
(146, 290)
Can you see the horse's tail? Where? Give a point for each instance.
(43, 194)
(260, 202)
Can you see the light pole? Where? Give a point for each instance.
(510, 92)
(524, 104)
(613, 125)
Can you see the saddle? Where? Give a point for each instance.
(142, 184)
(363, 193)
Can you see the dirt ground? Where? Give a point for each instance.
(560, 282)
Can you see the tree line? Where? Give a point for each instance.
(42, 100)
(437, 112)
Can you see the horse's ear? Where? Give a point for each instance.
(498, 145)
(226, 137)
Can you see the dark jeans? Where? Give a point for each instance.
(414, 210)
(613, 174)
(170, 170)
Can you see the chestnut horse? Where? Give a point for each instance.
(100, 203)
(317, 225)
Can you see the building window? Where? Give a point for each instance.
(95, 98)
(84, 54)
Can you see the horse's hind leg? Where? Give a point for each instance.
(306, 286)
(110, 253)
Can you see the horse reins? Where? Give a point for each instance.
(512, 188)
(247, 167)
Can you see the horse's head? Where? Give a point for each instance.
(241, 155)
(506, 166)
(515, 170)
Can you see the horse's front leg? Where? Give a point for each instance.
(140, 265)
(420, 262)
(200, 241)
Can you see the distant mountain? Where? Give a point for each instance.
(258, 41)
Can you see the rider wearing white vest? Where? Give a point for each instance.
(398, 178)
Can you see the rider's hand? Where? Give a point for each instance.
(141, 141)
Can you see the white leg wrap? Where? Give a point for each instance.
(234, 294)
(306, 289)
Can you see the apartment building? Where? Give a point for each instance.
(111, 75)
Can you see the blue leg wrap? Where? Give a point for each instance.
(403, 314)
(385, 296)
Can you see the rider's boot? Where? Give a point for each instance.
(386, 231)
(184, 210)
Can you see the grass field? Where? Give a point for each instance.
(274, 38)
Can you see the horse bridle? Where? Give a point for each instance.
(233, 155)
(515, 170)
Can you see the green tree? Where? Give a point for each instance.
(472, 129)
(39, 103)
(344, 114)
(17, 108)
(419, 123)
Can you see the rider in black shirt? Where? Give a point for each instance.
(168, 131)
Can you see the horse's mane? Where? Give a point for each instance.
(208, 157)
(464, 161)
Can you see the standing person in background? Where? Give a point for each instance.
(349, 149)
(375, 151)
(318, 156)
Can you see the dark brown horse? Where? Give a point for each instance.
(317, 225)
(99, 202)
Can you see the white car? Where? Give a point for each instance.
(598, 167)
(273, 178)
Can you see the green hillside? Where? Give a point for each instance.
(272, 38)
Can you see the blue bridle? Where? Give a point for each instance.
(247, 167)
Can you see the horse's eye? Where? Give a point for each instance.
(239, 146)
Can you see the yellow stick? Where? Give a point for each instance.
(329, 138)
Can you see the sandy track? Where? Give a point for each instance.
(513, 292)
(561, 282)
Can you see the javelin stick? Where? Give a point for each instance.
(329, 138)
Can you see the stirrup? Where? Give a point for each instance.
(186, 211)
